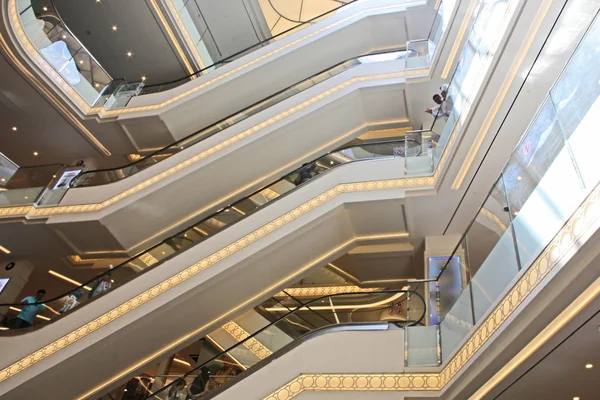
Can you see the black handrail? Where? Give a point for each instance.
(286, 315)
(110, 271)
(72, 184)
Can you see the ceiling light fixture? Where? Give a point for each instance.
(14, 128)
(589, 366)
(64, 278)
(64, 36)
(96, 84)
(4, 249)
(143, 78)
(45, 8)
(80, 61)
(519, 177)
(114, 28)
(129, 54)
(177, 360)
(576, 398)
(35, 153)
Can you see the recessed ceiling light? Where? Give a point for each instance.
(14, 128)
(114, 28)
(519, 178)
(64, 36)
(3, 179)
(588, 366)
(576, 398)
(35, 153)
(143, 78)
(96, 84)
(26, 197)
(45, 8)
(80, 61)
(129, 54)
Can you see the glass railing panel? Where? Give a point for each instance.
(457, 323)
(26, 184)
(63, 51)
(325, 311)
(421, 346)
(538, 204)
(223, 218)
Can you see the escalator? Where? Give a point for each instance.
(106, 176)
(292, 323)
(54, 309)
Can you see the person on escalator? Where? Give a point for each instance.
(103, 285)
(29, 311)
(199, 384)
(71, 301)
(305, 173)
(177, 390)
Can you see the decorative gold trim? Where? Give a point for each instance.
(561, 248)
(94, 207)
(253, 345)
(189, 272)
(356, 382)
(318, 291)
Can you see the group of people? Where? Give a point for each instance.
(32, 304)
(442, 108)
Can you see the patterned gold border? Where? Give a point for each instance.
(189, 272)
(584, 221)
(84, 107)
(253, 345)
(95, 207)
(356, 382)
(318, 291)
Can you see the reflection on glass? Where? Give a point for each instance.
(548, 176)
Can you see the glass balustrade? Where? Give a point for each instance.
(549, 175)
(282, 322)
(66, 55)
(208, 227)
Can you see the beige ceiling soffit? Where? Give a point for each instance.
(491, 116)
(174, 13)
(252, 344)
(459, 37)
(94, 207)
(214, 258)
(583, 222)
(169, 347)
(172, 37)
(590, 294)
(66, 112)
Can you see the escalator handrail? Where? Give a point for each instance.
(232, 57)
(175, 144)
(286, 315)
(121, 265)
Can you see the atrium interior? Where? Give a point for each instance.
(299, 199)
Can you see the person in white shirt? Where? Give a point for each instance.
(441, 110)
(71, 301)
(102, 286)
